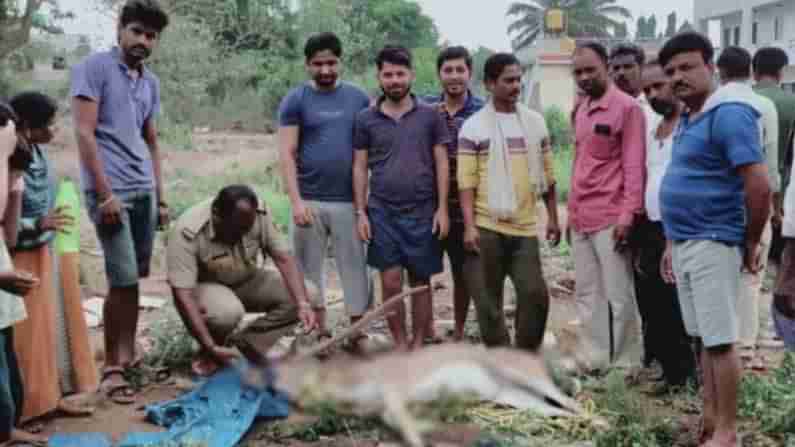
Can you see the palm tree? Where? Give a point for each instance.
(585, 18)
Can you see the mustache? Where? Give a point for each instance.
(680, 84)
(141, 49)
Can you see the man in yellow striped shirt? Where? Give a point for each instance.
(505, 243)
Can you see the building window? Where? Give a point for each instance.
(727, 37)
(736, 35)
(754, 32)
(778, 29)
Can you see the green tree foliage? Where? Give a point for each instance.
(585, 18)
(351, 20)
(403, 22)
(18, 18)
(427, 80)
(229, 62)
(479, 58)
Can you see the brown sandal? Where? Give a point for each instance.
(121, 392)
(138, 369)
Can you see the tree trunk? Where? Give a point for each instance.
(15, 31)
(243, 14)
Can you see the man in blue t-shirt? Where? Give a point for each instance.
(316, 121)
(715, 201)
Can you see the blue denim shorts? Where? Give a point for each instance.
(127, 247)
(400, 241)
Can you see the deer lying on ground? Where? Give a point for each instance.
(387, 384)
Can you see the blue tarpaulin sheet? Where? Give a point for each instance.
(216, 414)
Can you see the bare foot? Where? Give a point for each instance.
(723, 440)
(706, 431)
(458, 335)
(18, 435)
(76, 406)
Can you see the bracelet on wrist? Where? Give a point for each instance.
(107, 201)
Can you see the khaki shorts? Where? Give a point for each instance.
(708, 283)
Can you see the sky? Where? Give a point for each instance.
(485, 25)
(472, 23)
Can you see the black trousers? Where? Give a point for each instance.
(664, 333)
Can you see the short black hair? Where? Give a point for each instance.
(394, 54)
(597, 48)
(735, 63)
(7, 114)
(496, 64)
(34, 109)
(225, 202)
(653, 61)
(685, 43)
(321, 42)
(453, 53)
(624, 49)
(147, 12)
(769, 61)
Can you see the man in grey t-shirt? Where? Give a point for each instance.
(115, 101)
(316, 122)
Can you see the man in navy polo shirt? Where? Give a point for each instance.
(402, 142)
(115, 101)
(714, 201)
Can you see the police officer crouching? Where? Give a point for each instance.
(212, 269)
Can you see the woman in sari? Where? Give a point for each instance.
(52, 344)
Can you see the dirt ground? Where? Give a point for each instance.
(216, 152)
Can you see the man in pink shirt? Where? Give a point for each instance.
(607, 189)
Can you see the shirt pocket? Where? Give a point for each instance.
(223, 267)
(251, 251)
(603, 147)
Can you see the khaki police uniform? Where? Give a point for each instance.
(226, 279)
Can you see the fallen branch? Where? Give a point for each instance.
(364, 321)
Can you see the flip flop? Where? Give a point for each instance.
(154, 374)
(121, 393)
(72, 410)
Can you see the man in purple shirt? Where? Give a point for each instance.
(455, 105)
(403, 143)
(115, 101)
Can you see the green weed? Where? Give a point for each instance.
(633, 420)
(173, 347)
(563, 157)
(189, 189)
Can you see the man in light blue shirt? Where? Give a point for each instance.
(115, 102)
(715, 201)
